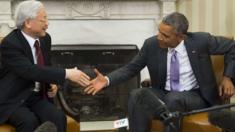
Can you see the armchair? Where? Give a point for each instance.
(196, 122)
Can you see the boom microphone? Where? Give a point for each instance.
(224, 119)
(46, 127)
(153, 106)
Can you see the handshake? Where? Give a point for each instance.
(91, 86)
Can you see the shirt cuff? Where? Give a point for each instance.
(107, 80)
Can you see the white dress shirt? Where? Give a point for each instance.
(31, 42)
(187, 77)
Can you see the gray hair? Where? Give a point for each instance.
(26, 10)
(178, 21)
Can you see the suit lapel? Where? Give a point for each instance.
(43, 49)
(162, 66)
(26, 46)
(193, 56)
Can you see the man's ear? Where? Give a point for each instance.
(27, 23)
(182, 36)
(185, 36)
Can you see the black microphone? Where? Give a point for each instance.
(46, 127)
(153, 106)
(223, 118)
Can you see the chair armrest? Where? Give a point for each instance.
(66, 107)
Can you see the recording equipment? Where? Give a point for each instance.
(153, 106)
(46, 127)
(213, 108)
(224, 119)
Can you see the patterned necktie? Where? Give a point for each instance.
(40, 62)
(174, 72)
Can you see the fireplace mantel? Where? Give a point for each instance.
(91, 9)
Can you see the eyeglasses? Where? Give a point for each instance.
(43, 20)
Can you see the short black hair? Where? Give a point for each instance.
(178, 21)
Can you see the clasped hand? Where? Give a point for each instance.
(97, 83)
(78, 77)
(90, 86)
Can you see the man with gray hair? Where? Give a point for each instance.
(26, 75)
(180, 69)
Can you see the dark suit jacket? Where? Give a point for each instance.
(199, 47)
(18, 72)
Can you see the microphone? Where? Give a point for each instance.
(46, 127)
(153, 106)
(224, 119)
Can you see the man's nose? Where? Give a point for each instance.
(47, 22)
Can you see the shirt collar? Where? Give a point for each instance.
(179, 48)
(30, 39)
